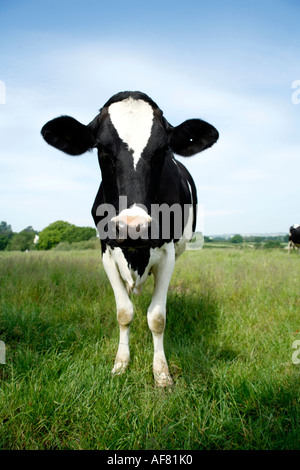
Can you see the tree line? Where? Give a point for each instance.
(265, 241)
(60, 231)
(30, 239)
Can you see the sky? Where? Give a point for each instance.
(232, 63)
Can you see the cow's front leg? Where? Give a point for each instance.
(124, 312)
(157, 315)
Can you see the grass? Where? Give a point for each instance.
(232, 318)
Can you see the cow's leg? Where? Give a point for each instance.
(157, 314)
(124, 312)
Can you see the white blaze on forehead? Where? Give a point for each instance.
(132, 120)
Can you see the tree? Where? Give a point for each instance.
(3, 242)
(5, 235)
(63, 231)
(78, 234)
(272, 244)
(236, 239)
(52, 235)
(22, 241)
(4, 227)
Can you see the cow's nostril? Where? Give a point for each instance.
(142, 230)
(121, 225)
(124, 231)
(121, 230)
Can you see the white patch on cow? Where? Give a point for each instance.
(132, 120)
(122, 265)
(156, 315)
(124, 309)
(296, 225)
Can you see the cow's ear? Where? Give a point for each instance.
(69, 135)
(191, 137)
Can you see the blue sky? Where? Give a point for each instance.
(231, 63)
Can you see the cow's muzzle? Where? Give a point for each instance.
(132, 224)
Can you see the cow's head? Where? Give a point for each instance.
(294, 228)
(133, 138)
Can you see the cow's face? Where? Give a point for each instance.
(132, 142)
(133, 139)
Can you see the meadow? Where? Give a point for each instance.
(232, 318)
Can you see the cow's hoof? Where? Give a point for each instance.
(163, 380)
(119, 368)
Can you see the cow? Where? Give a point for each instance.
(142, 186)
(294, 238)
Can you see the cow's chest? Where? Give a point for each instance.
(134, 266)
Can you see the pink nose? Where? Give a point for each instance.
(132, 223)
(132, 220)
(132, 228)
(132, 231)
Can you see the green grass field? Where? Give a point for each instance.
(233, 316)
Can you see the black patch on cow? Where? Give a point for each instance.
(295, 235)
(136, 95)
(67, 134)
(192, 136)
(137, 259)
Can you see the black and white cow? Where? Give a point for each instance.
(294, 237)
(140, 177)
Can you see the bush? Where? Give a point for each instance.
(92, 244)
(22, 241)
(78, 234)
(6, 234)
(236, 239)
(3, 241)
(272, 244)
(61, 231)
